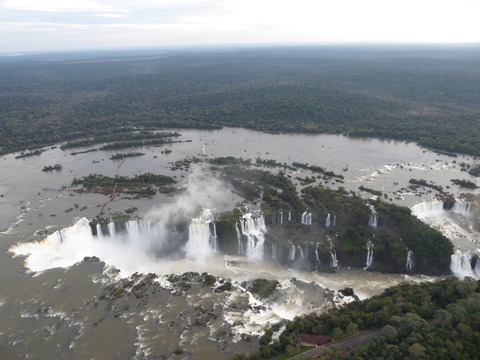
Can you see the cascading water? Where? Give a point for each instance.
(254, 229)
(241, 250)
(410, 264)
(333, 254)
(289, 216)
(369, 261)
(333, 259)
(317, 257)
(306, 252)
(214, 239)
(462, 207)
(327, 221)
(427, 209)
(291, 254)
(111, 229)
(307, 218)
(274, 251)
(465, 263)
(334, 221)
(98, 229)
(300, 251)
(132, 227)
(373, 220)
(281, 216)
(202, 240)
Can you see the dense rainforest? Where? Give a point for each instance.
(426, 94)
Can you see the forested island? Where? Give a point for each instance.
(341, 224)
(423, 94)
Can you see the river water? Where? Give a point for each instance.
(48, 310)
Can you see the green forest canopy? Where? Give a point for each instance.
(424, 94)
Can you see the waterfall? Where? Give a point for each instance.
(369, 260)
(111, 229)
(307, 218)
(289, 216)
(333, 259)
(334, 223)
(427, 209)
(373, 220)
(214, 238)
(98, 228)
(281, 216)
(241, 250)
(201, 237)
(253, 227)
(438, 208)
(464, 263)
(462, 207)
(410, 261)
(274, 251)
(302, 256)
(291, 254)
(317, 257)
(133, 227)
(327, 221)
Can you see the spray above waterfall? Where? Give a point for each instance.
(170, 231)
(466, 263)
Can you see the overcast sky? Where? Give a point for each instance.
(43, 25)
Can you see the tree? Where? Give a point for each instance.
(417, 351)
(390, 333)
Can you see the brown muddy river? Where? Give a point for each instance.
(54, 304)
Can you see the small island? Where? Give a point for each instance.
(121, 156)
(51, 168)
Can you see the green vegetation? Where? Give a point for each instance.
(262, 287)
(465, 183)
(125, 137)
(29, 154)
(422, 182)
(397, 232)
(230, 160)
(429, 320)
(272, 163)
(276, 191)
(424, 94)
(209, 280)
(475, 170)
(119, 156)
(139, 185)
(317, 169)
(371, 191)
(83, 152)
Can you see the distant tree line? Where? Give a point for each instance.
(425, 97)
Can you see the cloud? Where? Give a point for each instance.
(111, 15)
(183, 22)
(60, 6)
